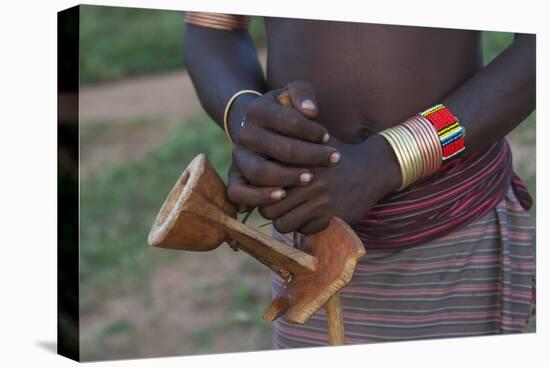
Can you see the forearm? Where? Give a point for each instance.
(498, 98)
(221, 63)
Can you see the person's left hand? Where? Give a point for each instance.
(365, 173)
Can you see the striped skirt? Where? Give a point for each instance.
(477, 280)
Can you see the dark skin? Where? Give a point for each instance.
(322, 157)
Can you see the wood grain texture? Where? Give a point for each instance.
(336, 250)
(333, 306)
(198, 216)
(199, 193)
(335, 320)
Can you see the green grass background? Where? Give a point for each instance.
(117, 42)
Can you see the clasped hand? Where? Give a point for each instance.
(286, 164)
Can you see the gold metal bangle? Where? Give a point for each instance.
(406, 161)
(432, 133)
(423, 139)
(430, 145)
(424, 147)
(433, 143)
(417, 148)
(414, 150)
(397, 152)
(407, 145)
(228, 108)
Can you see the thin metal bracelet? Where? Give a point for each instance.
(424, 147)
(432, 133)
(414, 151)
(410, 165)
(402, 159)
(228, 108)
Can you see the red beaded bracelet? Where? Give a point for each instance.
(449, 131)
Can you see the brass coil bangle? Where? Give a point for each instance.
(226, 22)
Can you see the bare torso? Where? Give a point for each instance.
(368, 77)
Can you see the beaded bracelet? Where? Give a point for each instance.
(449, 131)
(226, 22)
(425, 143)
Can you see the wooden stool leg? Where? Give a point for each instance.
(335, 320)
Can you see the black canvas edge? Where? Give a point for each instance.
(68, 329)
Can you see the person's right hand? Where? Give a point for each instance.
(275, 145)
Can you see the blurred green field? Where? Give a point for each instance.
(119, 204)
(123, 296)
(117, 42)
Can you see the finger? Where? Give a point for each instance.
(286, 149)
(293, 198)
(245, 195)
(233, 175)
(303, 98)
(241, 208)
(267, 113)
(314, 226)
(259, 171)
(252, 196)
(297, 217)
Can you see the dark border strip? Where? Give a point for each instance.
(68, 332)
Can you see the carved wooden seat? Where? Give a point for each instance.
(198, 216)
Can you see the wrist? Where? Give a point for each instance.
(383, 166)
(238, 113)
(387, 164)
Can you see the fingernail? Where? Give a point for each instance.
(334, 157)
(306, 177)
(307, 104)
(326, 137)
(278, 194)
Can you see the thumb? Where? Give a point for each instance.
(302, 97)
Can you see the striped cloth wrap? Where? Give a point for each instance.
(450, 199)
(448, 257)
